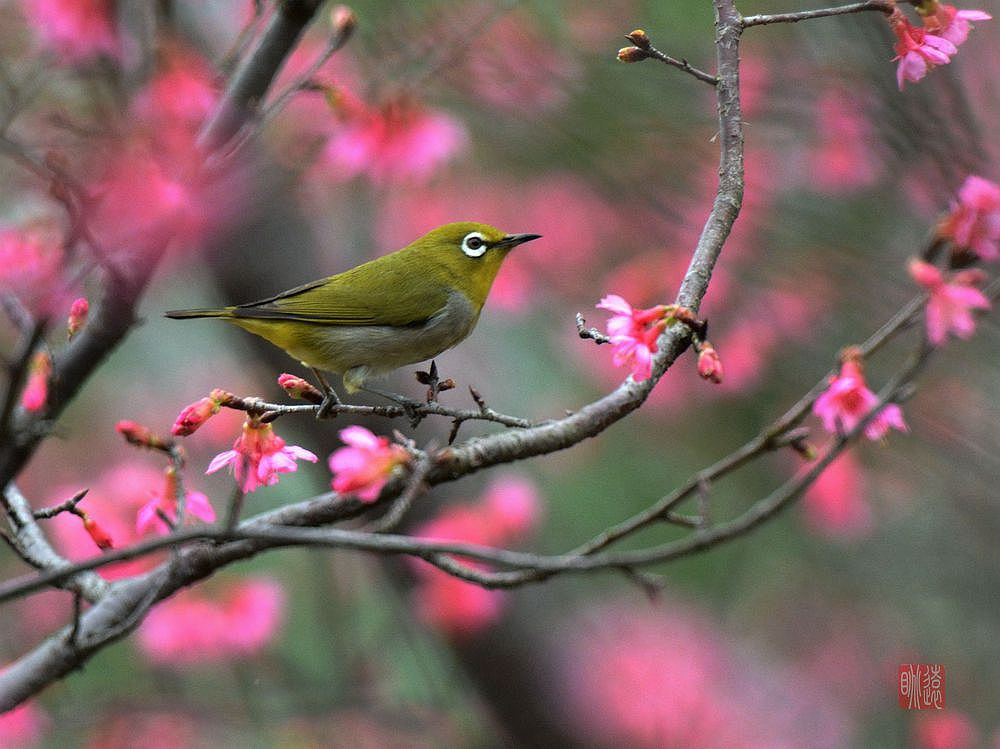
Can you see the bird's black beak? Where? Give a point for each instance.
(513, 240)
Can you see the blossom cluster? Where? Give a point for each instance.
(920, 48)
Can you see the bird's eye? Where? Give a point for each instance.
(474, 244)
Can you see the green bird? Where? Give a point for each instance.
(401, 308)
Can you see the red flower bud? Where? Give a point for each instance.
(709, 363)
(78, 312)
(140, 436)
(296, 387)
(100, 536)
(193, 416)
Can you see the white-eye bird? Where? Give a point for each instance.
(401, 308)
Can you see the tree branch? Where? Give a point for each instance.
(882, 6)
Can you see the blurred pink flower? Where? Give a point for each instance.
(179, 97)
(30, 266)
(196, 505)
(949, 308)
(974, 220)
(917, 49)
(191, 628)
(36, 391)
(149, 730)
(518, 67)
(842, 160)
(633, 333)
(847, 400)
(835, 505)
(949, 729)
(153, 189)
(654, 677)
(399, 142)
(258, 456)
(23, 726)
(506, 512)
(76, 31)
(511, 505)
(365, 464)
(952, 24)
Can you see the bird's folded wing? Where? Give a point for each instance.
(343, 300)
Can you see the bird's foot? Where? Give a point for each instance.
(330, 399)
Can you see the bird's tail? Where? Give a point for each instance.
(187, 314)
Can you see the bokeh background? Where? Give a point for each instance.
(519, 115)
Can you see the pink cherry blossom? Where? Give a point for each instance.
(847, 400)
(76, 31)
(944, 730)
(633, 333)
(658, 676)
(917, 49)
(842, 159)
(835, 504)
(30, 263)
(513, 506)
(952, 24)
(974, 220)
(259, 456)
(949, 308)
(363, 467)
(191, 628)
(399, 142)
(518, 67)
(506, 512)
(196, 505)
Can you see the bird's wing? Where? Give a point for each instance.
(348, 299)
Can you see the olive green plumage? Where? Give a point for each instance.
(401, 308)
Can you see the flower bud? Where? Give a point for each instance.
(343, 20)
(709, 363)
(632, 54)
(925, 274)
(193, 416)
(100, 536)
(296, 387)
(78, 312)
(140, 436)
(639, 39)
(36, 392)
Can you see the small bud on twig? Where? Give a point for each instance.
(78, 312)
(640, 39)
(140, 436)
(344, 21)
(632, 54)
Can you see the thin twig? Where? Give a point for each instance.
(681, 64)
(883, 6)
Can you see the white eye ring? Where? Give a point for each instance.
(474, 244)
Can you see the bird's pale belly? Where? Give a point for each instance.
(359, 352)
